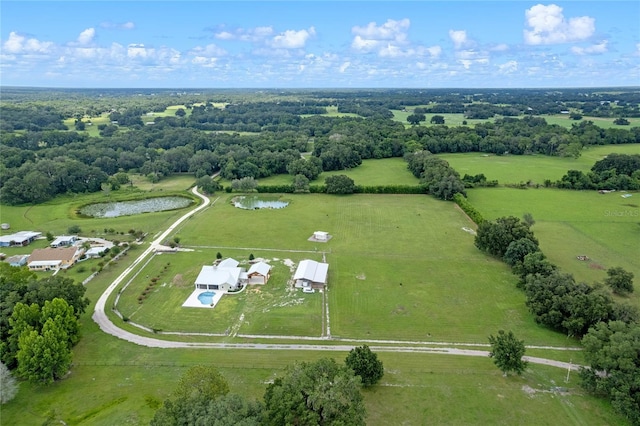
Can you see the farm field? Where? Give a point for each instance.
(401, 267)
(457, 119)
(376, 240)
(603, 122)
(535, 168)
(384, 171)
(603, 227)
(450, 119)
(123, 383)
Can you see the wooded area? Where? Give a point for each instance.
(258, 134)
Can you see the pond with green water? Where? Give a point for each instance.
(254, 202)
(128, 208)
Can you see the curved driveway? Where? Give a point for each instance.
(106, 325)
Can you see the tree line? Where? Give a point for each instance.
(75, 162)
(323, 392)
(38, 323)
(610, 330)
(616, 171)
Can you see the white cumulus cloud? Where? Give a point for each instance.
(390, 30)
(595, 49)
(549, 26)
(86, 37)
(459, 38)
(508, 67)
(387, 36)
(19, 44)
(291, 39)
(208, 51)
(254, 35)
(344, 66)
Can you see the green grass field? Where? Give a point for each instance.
(385, 171)
(450, 120)
(563, 120)
(535, 168)
(115, 382)
(603, 122)
(570, 223)
(401, 268)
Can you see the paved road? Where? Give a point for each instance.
(100, 317)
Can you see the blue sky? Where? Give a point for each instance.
(317, 44)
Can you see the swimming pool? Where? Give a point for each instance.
(206, 298)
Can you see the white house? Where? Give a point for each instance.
(21, 238)
(226, 276)
(51, 259)
(64, 241)
(17, 260)
(259, 273)
(311, 274)
(95, 251)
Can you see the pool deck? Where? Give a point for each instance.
(193, 302)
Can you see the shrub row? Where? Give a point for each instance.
(466, 207)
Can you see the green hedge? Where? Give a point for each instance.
(466, 206)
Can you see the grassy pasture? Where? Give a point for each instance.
(379, 242)
(570, 223)
(376, 239)
(603, 122)
(450, 119)
(56, 216)
(91, 130)
(537, 168)
(116, 382)
(385, 171)
(121, 384)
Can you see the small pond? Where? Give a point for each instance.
(128, 208)
(254, 202)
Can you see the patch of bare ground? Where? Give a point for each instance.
(178, 281)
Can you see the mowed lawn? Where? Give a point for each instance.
(604, 227)
(535, 168)
(401, 267)
(117, 382)
(271, 309)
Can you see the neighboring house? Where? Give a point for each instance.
(225, 276)
(311, 274)
(17, 260)
(259, 273)
(95, 251)
(22, 238)
(64, 241)
(51, 259)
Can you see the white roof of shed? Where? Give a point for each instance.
(261, 268)
(312, 271)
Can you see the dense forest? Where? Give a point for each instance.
(261, 133)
